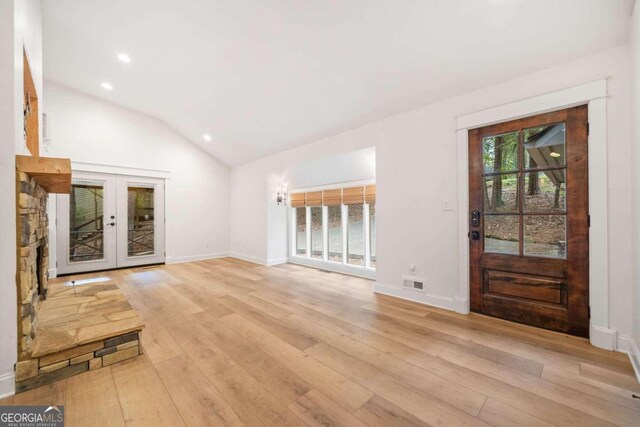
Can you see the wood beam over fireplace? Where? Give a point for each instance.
(53, 174)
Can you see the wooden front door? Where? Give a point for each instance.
(529, 221)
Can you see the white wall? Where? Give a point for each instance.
(359, 165)
(20, 28)
(8, 326)
(87, 129)
(635, 68)
(417, 151)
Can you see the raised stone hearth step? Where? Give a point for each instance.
(76, 332)
(49, 368)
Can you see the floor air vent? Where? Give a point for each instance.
(413, 283)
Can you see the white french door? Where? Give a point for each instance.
(110, 221)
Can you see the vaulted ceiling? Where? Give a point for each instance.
(260, 76)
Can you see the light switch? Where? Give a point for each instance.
(447, 205)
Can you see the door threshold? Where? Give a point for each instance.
(143, 266)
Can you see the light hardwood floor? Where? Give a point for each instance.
(228, 342)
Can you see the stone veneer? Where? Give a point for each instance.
(88, 357)
(33, 237)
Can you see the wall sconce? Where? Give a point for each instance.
(281, 197)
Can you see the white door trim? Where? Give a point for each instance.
(118, 170)
(594, 94)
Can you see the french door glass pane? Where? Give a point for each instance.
(316, 232)
(355, 235)
(301, 231)
(335, 233)
(545, 191)
(501, 193)
(372, 234)
(544, 146)
(502, 234)
(500, 152)
(140, 221)
(545, 236)
(86, 219)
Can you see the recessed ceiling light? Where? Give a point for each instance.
(206, 137)
(107, 86)
(124, 58)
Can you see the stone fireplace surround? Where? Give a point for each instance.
(33, 258)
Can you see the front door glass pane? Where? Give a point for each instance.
(140, 221)
(545, 191)
(502, 234)
(545, 236)
(316, 232)
(86, 220)
(544, 146)
(355, 235)
(500, 153)
(301, 231)
(501, 193)
(335, 233)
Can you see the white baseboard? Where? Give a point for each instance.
(335, 267)
(604, 337)
(439, 301)
(249, 258)
(53, 273)
(461, 305)
(277, 261)
(634, 357)
(191, 258)
(624, 344)
(7, 385)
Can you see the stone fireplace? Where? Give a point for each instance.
(33, 258)
(62, 331)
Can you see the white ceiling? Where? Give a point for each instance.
(261, 76)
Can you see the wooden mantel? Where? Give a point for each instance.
(53, 174)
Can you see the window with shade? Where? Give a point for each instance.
(300, 223)
(336, 225)
(314, 201)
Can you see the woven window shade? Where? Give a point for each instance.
(353, 195)
(332, 197)
(370, 194)
(314, 198)
(297, 200)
